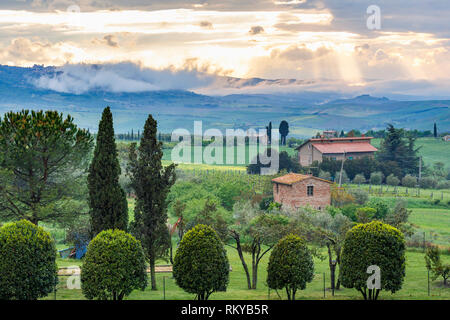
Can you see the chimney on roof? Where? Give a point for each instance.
(327, 134)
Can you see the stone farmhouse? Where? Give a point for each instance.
(295, 190)
(316, 149)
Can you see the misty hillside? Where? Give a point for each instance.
(306, 112)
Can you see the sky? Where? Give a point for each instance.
(330, 44)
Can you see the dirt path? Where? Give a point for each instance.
(76, 271)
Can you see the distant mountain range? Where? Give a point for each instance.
(307, 112)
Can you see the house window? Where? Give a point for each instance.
(350, 158)
(277, 187)
(310, 191)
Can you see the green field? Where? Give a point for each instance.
(226, 150)
(415, 197)
(432, 150)
(414, 287)
(434, 222)
(430, 215)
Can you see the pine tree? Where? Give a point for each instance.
(151, 183)
(399, 147)
(107, 200)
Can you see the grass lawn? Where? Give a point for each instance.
(434, 222)
(414, 287)
(204, 167)
(249, 156)
(414, 196)
(432, 150)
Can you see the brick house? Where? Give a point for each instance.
(316, 149)
(295, 190)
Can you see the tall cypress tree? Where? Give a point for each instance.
(151, 183)
(435, 130)
(284, 131)
(107, 200)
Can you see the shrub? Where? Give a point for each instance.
(365, 215)
(434, 264)
(114, 266)
(324, 175)
(340, 197)
(273, 206)
(378, 244)
(443, 184)
(376, 177)
(392, 180)
(28, 269)
(290, 266)
(359, 178)
(349, 211)
(201, 265)
(360, 196)
(332, 210)
(230, 191)
(381, 207)
(427, 183)
(265, 203)
(409, 181)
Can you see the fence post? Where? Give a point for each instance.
(424, 242)
(164, 287)
(428, 282)
(324, 285)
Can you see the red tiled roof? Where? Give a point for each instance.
(337, 147)
(343, 139)
(340, 139)
(292, 178)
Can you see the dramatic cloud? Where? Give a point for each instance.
(206, 24)
(301, 52)
(256, 30)
(121, 77)
(111, 40)
(23, 51)
(314, 41)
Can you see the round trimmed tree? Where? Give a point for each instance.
(373, 244)
(28, 268)
(113, 267)
(201, 265)
(290, 266)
